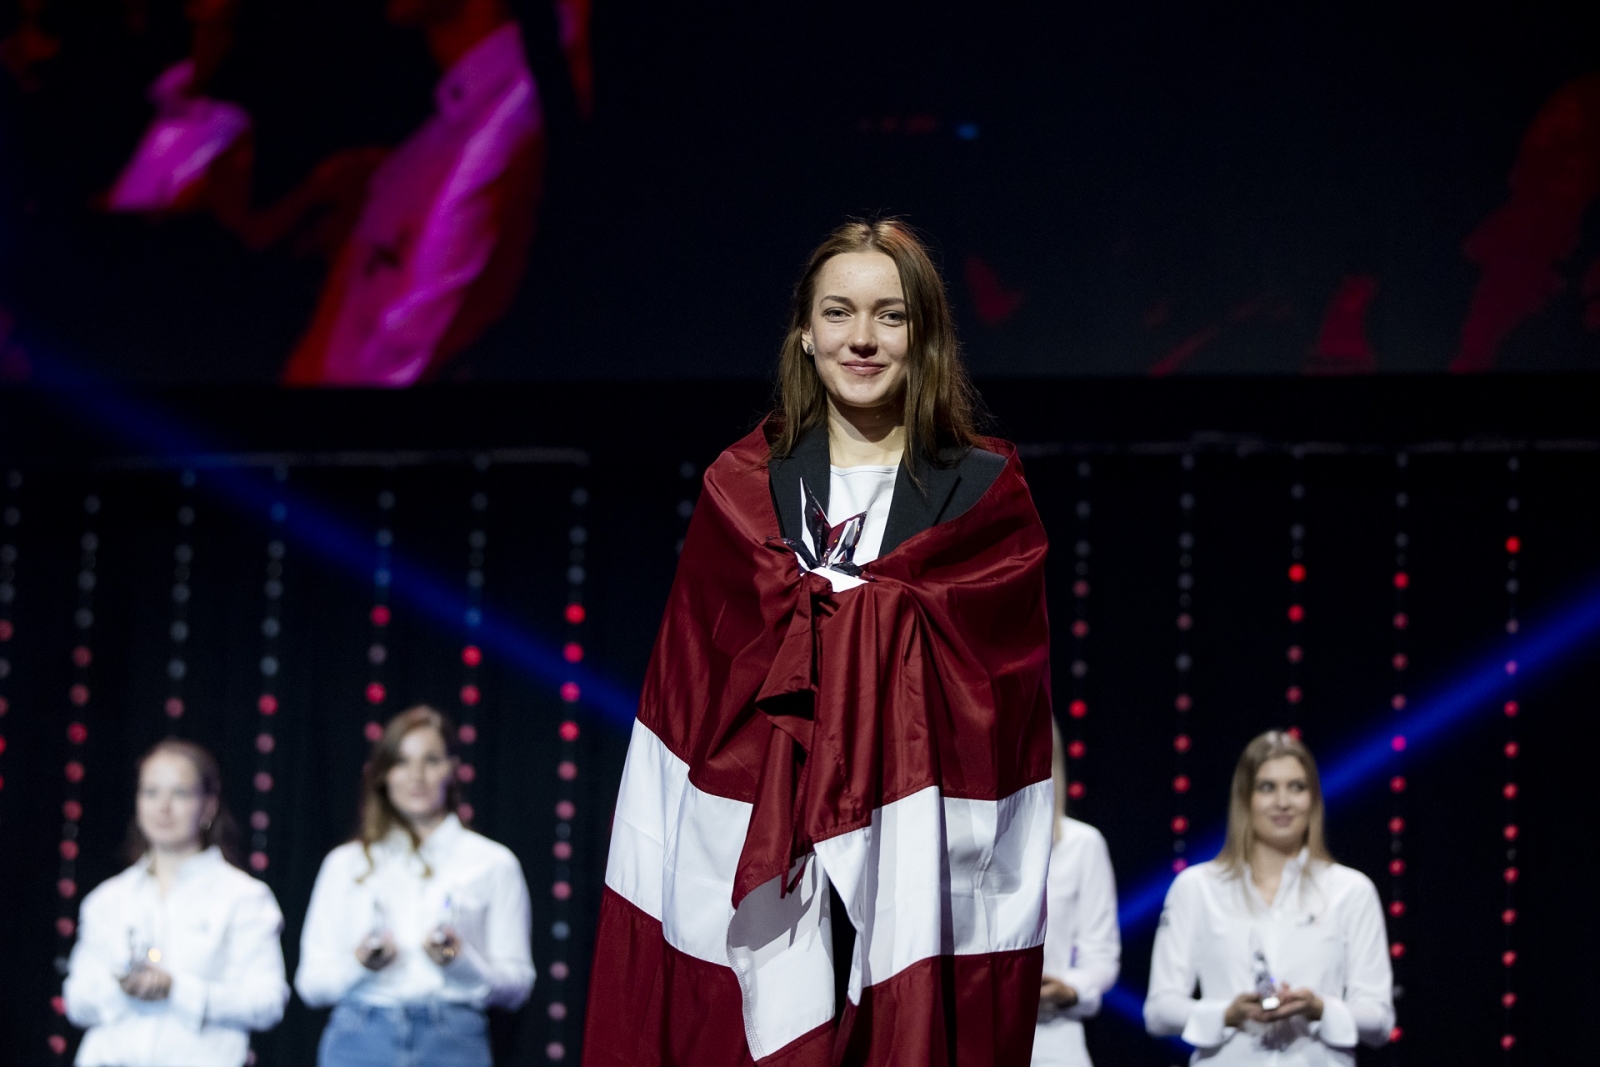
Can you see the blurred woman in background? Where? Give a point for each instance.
(1082, 943)
(419, 924)
(1288, 946)
(177, 957)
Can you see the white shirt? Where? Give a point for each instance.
(426, 231)
(852, 491)
(216, 933)
(1323, 931)
(1082, 944)
(476, 887)
(185, 138)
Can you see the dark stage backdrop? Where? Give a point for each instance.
(1178, 514)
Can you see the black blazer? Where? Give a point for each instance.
(949, 487)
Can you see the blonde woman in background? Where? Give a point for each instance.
(1082, 943)
(419, 924)
(1288, 946)
(178, 957)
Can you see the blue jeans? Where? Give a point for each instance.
(417, 1035)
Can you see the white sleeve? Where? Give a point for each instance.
(457, 239)
(1170, 1006)
(1365, 1010)
(328, 966)
(92, 994)
(251, 993)
(1097, 951)
(505, 966)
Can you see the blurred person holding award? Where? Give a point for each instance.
(1288, 947)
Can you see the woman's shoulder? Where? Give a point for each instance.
(112, 889)
(488, 851)
(1339, 880)
(1080, 834)
(344, 857)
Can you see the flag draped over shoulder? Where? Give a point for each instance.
(892, 739)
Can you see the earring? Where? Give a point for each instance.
(808, 350)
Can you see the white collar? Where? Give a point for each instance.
(196, 865)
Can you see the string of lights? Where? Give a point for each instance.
(1078, 707)
(1512, 749)
(267, 698)
(472, 653)
(1400, 623)
(381, 615)
(78, 697)
(1183, 703)
(1293, 695)
(182, 572)
(566, 809)
(10, 518)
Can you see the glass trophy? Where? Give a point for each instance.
(373, 945)
(1265, 984)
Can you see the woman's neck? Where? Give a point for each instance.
(165, 863)
(1266, 867)
(863, 437)
(425, 826)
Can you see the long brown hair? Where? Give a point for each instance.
(222, 832)
(379, 816)
(1241, 839)
(1058, 776)
(940, 403)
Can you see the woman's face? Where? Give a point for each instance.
(419, 783)
(171, 808)
(1280, 807)
(859, 331)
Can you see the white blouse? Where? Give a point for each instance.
(215, 932)
(1082, 943)
(1323, 931)
(475, 886)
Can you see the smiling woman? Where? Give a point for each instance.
(1287, 946)
(834, 826)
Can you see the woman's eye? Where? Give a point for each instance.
(895, 318)
(834, 314)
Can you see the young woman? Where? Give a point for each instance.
(419, 924)
(845, 725)
(1288, 947)
(1082, 943)
(177, 957)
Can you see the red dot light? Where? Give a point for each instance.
(1511, 709)
(1398, 701)
(380, 615)
(1075, 790)
(561, 850)
(561, 890)
(5, 706)
(258, 861)
(1297, 572)
(472, 655)
(74, 771)
(81, 656)
(58, 1044)
(1511, 875)
(575, 614)
(263, 782)
(1077, 709)
(1509, 1000)
(372, 731)
(1397, 908)
(1397, 784)
(565, 809)
(79, 695)
(1398, 742)
(470, 695)
(1401, 620)
(1397, 825)
(1181, 742)
(1513, 545)
(1180, 825)
(466, 772)
(1402, 580)
(1509, 916)
(1075, 749)
(468, 734)
(66, 928)
(1510, 791)
(1397, 867)
(1178, 865)
(1512, 749)
(1297, 613)
(1397, 949)
(573, 652)
(174, 708)
(464, 812)
(1080, 588)
(1296, 653)
(1180, 784)
(268, 704)
(1509, 958)
(570, 692)
(1080, 627)
(1396, 1034)
(77, 733)
(566, 770)
(265, 743)
(375, 693)
(72, 811)
(69, 850)
(5, 630)
(1510, 832)
(1400, 661)
(66, 888)
(1507, 1041)
(1293, 694)
(1294, 732)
